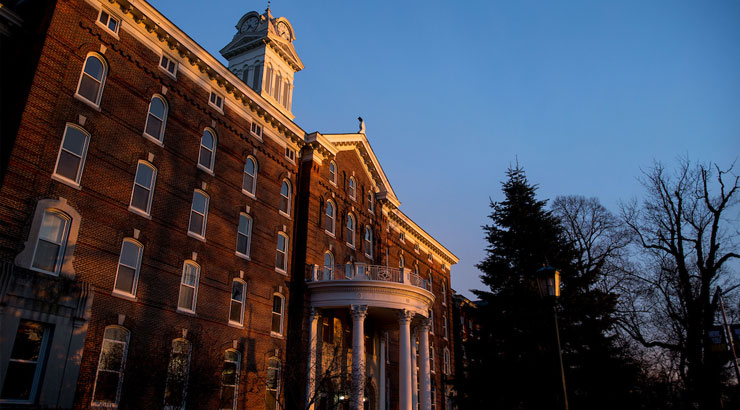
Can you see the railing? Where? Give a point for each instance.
(362, 271)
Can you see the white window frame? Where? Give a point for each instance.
(137, 269)
(281, 314)
(333, 175)
(39, 362)
(444, 292)
(120, 371)
(83, 157)
(290, 154)
(143, 212)
(215, 104)
(432, 365)
(212, 150)
(248, 234)
(166, 69)
(402, 237)
(431, 321)
(447, 368)
(62, 246)
(237, 362)
(401, 262)
(194, 287)
(352, 186)
(350, 232)
(284, 268)
(444, 325)
(278, 384)
(241, 302)
(333, 217)
(286, 213)
(183, 404)
(94, 104)
(157, 139)
(368, 243)
(326, 271)
(256, 130)
(253, 192)
(371, 201)
(205, 215)
(105, 25)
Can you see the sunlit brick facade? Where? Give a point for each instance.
(165, 232)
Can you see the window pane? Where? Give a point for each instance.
(46, 257)
(125, 279)
(130, 254)
(277, 304)
(89, 88)
(111, 355)
(52, 227)
(74, 140)
(229, 374)
(153, 126)
(237, 291)
(157, 107)
(280, 261)
(207, 139)
(284, 204)
(199, 202)
(106, 387)
(94, 68)
(236, 312)
(205, 157)
(186, 297)
(144, 175)
(276, 323)
(19, 381)
(103, 17)
(248, 183)
(68, 165)
(116, 333)
(227, 398)
(281, 243)
(189, 274)
(241, 244)
(249, 167)
(28, 339)
(285, 189)
(140, 198)
(196, 223)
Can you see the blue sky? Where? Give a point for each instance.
(582, 93)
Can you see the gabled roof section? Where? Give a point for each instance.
(400, 218)
(359, 142)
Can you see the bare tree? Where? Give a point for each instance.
(686, 231)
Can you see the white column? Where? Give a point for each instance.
(414, 373)
(381, 404)
(358, 356)
(426, 379)
(404, 361)
(313, 317)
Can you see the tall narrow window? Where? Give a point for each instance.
(330, 222)
(141, 194)
(230, 380)
(72, 154)
(432, 367)
(328, 265)
(431, 321)
(281, 257)
(244, 235)
(236, 308)
(277, 314)
(109, 377)
(444, 325)
(401, 262)
(350, 233)
(268, 79)
(278, 84)
(352, 188)
(285, 194)
(92, 79)
(249, 183)
(333, 172)
(189, 286)
(371, 201)
(447, 369)
(175, 391)
(207, 150)
(368, 242)
(198, 214)
(25, 363)
(444, 292)
(129, 263)
(272, 384)
(286, 94)
(52, 241)
(156, 119)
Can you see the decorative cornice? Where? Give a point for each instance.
(415, 230)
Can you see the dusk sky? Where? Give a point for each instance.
(582, 94)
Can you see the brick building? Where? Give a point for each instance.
(172, 238)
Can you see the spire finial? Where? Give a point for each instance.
(268, 6)
(362, 125)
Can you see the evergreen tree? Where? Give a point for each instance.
(514, 360)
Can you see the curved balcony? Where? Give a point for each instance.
(372, 285)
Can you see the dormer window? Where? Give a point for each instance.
(290, 154)
(216, 101)
(168, 65)
(256, 130)
(109, 22)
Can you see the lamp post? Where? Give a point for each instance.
(548, 283)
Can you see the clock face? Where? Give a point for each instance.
(250, 24)
(283, 30)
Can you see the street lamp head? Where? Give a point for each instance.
(548, 281)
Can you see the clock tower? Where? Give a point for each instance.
(262, 55)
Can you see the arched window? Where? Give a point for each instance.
(286, 94)
(370, 201)
(281, 256)
(230, 380)
(129, 263)
(401, 262)
(244, 235)
(268, 79)
(444, 325)
(350, 232)
(352, 188)
(72, 154)
(189, 286)
(444, 291)
(278, 304)
(431, 321)
(278, 84)
(143, 189)
(112, 360)
(272, 383)
(447, 369)
(249, 183)
(52, 242)
(236, 307)
(207, 150)
(328, 265)
(331, 216)
(176, 388)
(333, 172)
(416, 268)
(92, 79)
(156, 120)
(285, 195)
(368, 242)
(198, 214)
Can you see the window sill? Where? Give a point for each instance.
(169, 74)
(186, 312)
(66, 181)
(350, 245)
(216, 107)
(236, 325)
(249, 194)
(282, 272)
(330, 234)
(369, 256)
(45, 272)
(139, 212)
(243, 256)
(284, 214)
(196, 236)
(94, 106)
(276, 335)
(107, 30)
(206, 170)
(152, 139)
(127, 296)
